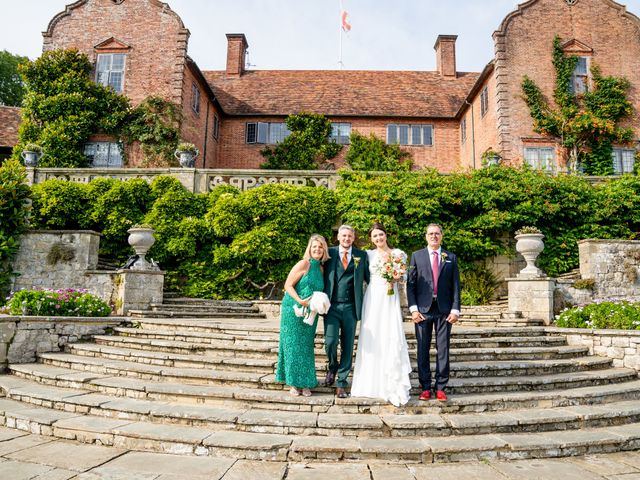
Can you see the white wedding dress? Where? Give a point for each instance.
(382, 359)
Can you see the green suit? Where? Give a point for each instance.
(344, 287)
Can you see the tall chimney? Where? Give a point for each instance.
(445, 48)
(236, 51)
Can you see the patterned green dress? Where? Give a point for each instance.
(296, 358)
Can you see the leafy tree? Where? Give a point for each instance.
(63, 107)
(11, 87)
(586, 125)
(306, 147)
(373, 154)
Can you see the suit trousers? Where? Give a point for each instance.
(435, 321)
(340, 327)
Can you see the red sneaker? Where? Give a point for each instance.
(426, 395)
(440, 395)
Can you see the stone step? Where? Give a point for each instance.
(264, 346)
(384, 424)
(179, 439)
(484, 384)
(323, 399)
(186, 307)
(146, 352)
(266, 365)
(177, 300)
(170, 313)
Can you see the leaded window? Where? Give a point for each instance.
(110, 70)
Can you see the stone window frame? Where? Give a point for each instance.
(547, 163)
(265, 133)
(339, 133)
(114, 157)
(623, 160)
(110, 72)
(195, 98)
(410, 134)
(484, 101)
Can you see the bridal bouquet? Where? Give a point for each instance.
(393, 268)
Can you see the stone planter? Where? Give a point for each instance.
(141, 239)
(30, 158)
(186, 159)
(530, 245)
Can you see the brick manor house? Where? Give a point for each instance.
(447, 119)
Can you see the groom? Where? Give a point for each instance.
(433, 295)
(344, 275)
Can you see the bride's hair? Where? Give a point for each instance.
(379, 226)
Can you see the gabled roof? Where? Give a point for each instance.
(342, 92)
(10, 119)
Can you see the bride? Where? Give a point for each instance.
(382, 360)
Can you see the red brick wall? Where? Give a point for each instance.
(156, 36)
(524, 43)
(443, 154)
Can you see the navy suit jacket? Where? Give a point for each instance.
(420, 282)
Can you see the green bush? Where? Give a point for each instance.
(14, 211)
(373, 154)
(605, 315)
(479, 285)
(58, 303)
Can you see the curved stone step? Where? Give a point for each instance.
(318, 423)
(180, 439)
(267, 365)
(171, 313)
(273, 396)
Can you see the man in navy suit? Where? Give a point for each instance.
(433, 294)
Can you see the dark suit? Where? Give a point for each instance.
(435, 309)
(344, 287)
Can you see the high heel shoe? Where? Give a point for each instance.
(306, 392)
(293, 391)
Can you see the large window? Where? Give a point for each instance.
(623, 160)
(540, 158)
(263, 132)
(103, 154)
(340, 133)
(580, 76)
(484, 101)
(410, 134)
(195, 98)
(110, 70)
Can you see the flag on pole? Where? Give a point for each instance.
(346, 26)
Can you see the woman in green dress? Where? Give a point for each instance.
(296, 357)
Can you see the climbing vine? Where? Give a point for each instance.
(586, 125)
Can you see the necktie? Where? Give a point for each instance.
(345, 260)
(434, 271)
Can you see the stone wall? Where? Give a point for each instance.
(22, 338)
(614, 265)
(61, 259)
(622, 346)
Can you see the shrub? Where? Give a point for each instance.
(373, 154)
(479, 285)
(14, 211)
(58, 303)
(605, 315)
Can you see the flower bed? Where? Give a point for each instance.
(621, 315)
(60, 303)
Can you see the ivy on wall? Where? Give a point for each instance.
(585, 125)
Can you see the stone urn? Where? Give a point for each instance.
(186, 158)
(141, 239)
(30, 157)
(530, 245)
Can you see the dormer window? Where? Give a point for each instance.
(110, 70)
(580, 77)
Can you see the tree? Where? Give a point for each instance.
(63, 107)
(586, 125)
(306, 147)
(11, 87)
(373, 154)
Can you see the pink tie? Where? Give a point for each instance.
(434, 270)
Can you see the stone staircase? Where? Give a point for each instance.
(177, 381)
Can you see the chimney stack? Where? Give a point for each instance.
(445, 48)
(236, 52)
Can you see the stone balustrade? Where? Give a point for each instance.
(194, 180)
